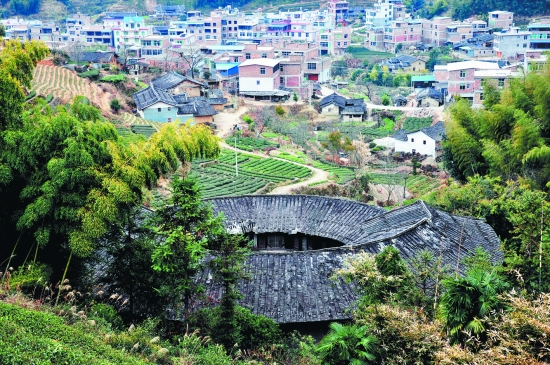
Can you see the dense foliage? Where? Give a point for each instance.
(509, 138)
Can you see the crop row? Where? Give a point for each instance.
(343, 174)
(391, 179)
(250, 144)
(277, 168)
(226, 185)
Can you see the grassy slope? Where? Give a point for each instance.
(32, 337)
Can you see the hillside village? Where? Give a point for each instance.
(342, 185)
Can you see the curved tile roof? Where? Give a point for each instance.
(295, 286)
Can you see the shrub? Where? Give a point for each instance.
(29, 276)
(49, 98)
(279, 110)
(90, 74)
(113, 78)
(386, 100)
(295, 97)
(115, 105)
(372, 145)
(254, 331)
(247, 119)
(106, 314)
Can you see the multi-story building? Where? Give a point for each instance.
(539, 38)
(96, 34)
(379, 15)
(459, 78)
(260, 78)
(511, 42)
(374, 38)
(74, 24)
(338, 9)
(405, 32)
(48, 33)
(435, 31)
(501, 19)
(154, 45)
(334, 41)
(301, 66)
(130, 32)
(115, 18)
(459, 32)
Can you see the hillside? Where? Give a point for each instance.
(33, 337)
(65, 84)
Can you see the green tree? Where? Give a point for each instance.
(2, 30)
(355, 74)
(386, 100)
(468, 300)
(115, 105)
(227, 263)
(295, 97)
(347, 344)
(185, 228)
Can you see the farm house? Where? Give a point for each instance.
(425, 141)
(300, 240)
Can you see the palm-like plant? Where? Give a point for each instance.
(347, 344)
(467, 300)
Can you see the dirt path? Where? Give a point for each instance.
(225, 121)
(318, 174)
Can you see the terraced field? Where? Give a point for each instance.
(218, 178)
(419, 185)
(343, 174)
(65, 84)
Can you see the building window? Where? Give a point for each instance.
(500, 82)
(281, 80)
(462, 74)
(311, 66)
(462, 86)
(412, 139)
(281, 68)
(247, 56)
(423, 142)
(257, 82)
(169, 108)
(262, 70)
(158, 109)
(264, 55)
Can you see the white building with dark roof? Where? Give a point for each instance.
(425, 141)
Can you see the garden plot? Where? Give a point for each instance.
(219, 178)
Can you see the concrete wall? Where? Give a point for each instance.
(330, 110)
(166, 112)
(416, 142)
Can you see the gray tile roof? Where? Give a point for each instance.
(333, 99)
(151, 95)
(97, 57)
(354, 109)
(295, 286)
(429, 93)
(173, 79)
(401, 135)
(436, 131)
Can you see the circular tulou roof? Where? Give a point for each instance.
(335, 218)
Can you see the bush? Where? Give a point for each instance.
(372, 145)
(254, 331)
(90, 74)
(106, 314)
(30, 276)
(279, 110)
(113, 78)
(49, 98)
(247, 119)
(115, 105)
(386, 100)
